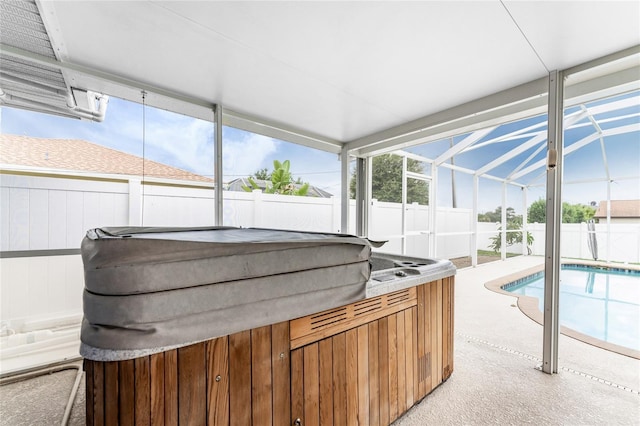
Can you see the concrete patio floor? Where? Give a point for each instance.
(495, 380)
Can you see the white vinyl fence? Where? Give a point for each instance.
(43, 219)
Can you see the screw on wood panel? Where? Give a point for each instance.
(281, 355)
(218, 378)
(297, 422)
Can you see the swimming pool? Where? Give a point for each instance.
(601, 303)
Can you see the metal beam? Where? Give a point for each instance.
(511, 154)
(489, 111)
(102, 75)
(514, 95)
(551, 326)
(630, 128)
(525, 162)
(280, 131)
(518, 134)
(463, 144)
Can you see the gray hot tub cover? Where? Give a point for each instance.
(151, 289)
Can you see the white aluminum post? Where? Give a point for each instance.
(503, 220)
(369, 203)
(361, 189)
(525, 220)
(344, 190)
(553, 223)
(218, 195)
(474, 223)
(404, 204)
(433, 189)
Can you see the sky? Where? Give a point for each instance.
(187, 143)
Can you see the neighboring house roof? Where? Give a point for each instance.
(237, 185)
(619, 209)
(80, 155)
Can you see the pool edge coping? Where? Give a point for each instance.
(528, 305)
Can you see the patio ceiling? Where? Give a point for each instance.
(329, 72)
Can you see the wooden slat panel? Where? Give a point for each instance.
(340, 379)
(192, 388)
(157, 389)
(429, 322)
(192, 385)
(240, 378)
(142, 391)
(352, 376)
(306, 329)
(409, 357)
(374, 378)
(416, 373)
(281, 373)
(421, 341)
(363, 374)
(446, 330)
(261, 385)
(297, 386)
(433, 328)
(383, 375)
(452, 304)
(218, 381)
(402, 368)
(393, 368)
(171, 387)
(439, 344)
(325, 354)
(98, 393)
(126, 382)
(89, 391)
(311, 385)
(111, 393)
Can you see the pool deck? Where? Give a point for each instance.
(495, 380)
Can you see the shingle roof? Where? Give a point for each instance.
(619, 208)
(80, 155)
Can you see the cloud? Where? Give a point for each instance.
(183, 142)
(245, 153)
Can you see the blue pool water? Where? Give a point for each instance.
(601, 303)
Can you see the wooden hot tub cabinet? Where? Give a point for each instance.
(365, 363)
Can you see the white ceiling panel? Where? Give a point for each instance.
(567, 33)
(342, 70)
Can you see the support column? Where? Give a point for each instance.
(361, 190)
(554, 221)
(344, 193)
(433, 196)
(503, 221)
(404, 205)
(474, 223)
(218, 195)
(525, 223)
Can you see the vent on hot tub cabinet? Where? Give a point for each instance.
(323, 324)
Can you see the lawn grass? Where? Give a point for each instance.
(494, 254)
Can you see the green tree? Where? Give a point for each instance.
(496, 215)
(262, 174)
(281, 181)
(537, 212)
(513, 224)
(571, 213)
(386, 179)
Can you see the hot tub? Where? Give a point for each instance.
(229, 326)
